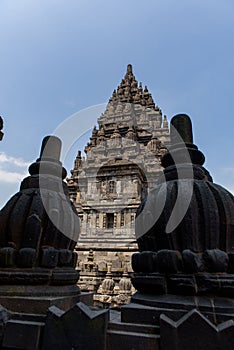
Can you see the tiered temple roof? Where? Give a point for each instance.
(131, 112)
(130, 91)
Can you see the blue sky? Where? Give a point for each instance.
(59, 57)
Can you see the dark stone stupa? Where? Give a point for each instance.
(39, 228)
(184, 272)
(195, 255)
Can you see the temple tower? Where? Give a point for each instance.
(122, 163)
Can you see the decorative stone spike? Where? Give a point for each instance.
(140, 87)
(125, 285)
(182, 149)
(128, 91)
(77, 163)
(165, 122)
(129, 69)
(50, 148)
(108, 283)
(181, 125)
(48, 162)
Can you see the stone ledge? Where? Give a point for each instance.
(216, 309)
(219, 284)
(38, 276)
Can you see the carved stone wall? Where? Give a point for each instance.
(122, 163)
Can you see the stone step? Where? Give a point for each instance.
(117, 326)
(148, 315)
(126, 340)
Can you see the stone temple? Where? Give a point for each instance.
(183, 275)
(122, 163)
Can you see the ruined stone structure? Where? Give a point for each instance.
(184, 274)
(122, 163)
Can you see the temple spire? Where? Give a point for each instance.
(129, 69)
(130, 91)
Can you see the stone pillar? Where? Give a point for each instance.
(89, 188)
(128, 218)
(101, 220)
(84, 223)
(118, 187)
(93, 221)
(135, 187)
(78, 197)
(118, 220)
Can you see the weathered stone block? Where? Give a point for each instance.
(192, 262)
(231, 263)
(22, 335)
(169, 261)
(148, 261)
(154, 283)
(65, 257)
(182, 284)
(8, 256)
(144, 262)
(102, 266)
(216, 260)
(64, 276)
(116, 264)
(208, 283)
(49, 257)
(136, 262)
(26, 257)
(74, 259)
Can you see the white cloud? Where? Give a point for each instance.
(4, 158)
(12, 170)
(11, 177)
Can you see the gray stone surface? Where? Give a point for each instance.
(37, 299)
(216, 309)
(79, 328)
(193, 331)
(22, 335)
